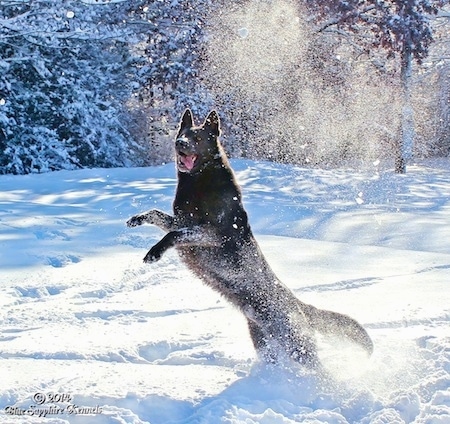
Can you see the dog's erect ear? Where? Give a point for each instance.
(212, 121)
(186, 120)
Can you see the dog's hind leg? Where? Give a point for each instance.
(302, 348)
(267, 351)
(286, 341)
(154, 217)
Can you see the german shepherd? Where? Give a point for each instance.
(210, 230)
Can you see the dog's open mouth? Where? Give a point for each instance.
(186, 162)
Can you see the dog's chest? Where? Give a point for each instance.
(204, 203)
(201, 209)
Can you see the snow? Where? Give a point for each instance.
(81, 315)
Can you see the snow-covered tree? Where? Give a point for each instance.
(401, 27)
(61, 87)
(91, 82)
(290, 94)
(171, 55)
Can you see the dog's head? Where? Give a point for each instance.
(196, 147)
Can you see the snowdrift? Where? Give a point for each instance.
(90, 334)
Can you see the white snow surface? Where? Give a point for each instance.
(82, 316)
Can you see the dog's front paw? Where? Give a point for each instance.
(153, 255)
(135, 221)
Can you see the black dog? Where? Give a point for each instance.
(211, 232)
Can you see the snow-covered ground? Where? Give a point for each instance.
(83, 318)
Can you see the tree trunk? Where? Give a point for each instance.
(443, 130)
(406, 143)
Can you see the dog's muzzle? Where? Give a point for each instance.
(186, 160)
(182, 143)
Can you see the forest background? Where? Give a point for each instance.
(318, 83)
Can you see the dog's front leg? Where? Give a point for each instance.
(154, 217)
(200, 235)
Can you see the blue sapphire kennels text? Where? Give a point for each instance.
(45, 411)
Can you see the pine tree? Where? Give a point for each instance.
(74, 73)
(62, 87)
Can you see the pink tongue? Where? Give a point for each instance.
(188, 161)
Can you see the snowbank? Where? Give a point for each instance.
(82, 316)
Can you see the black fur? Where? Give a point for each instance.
(211, 232)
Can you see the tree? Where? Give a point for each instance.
(289, 94)
(168, 80)
(82, 80)
(440, 60)
(400, 27)
(61, 87)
